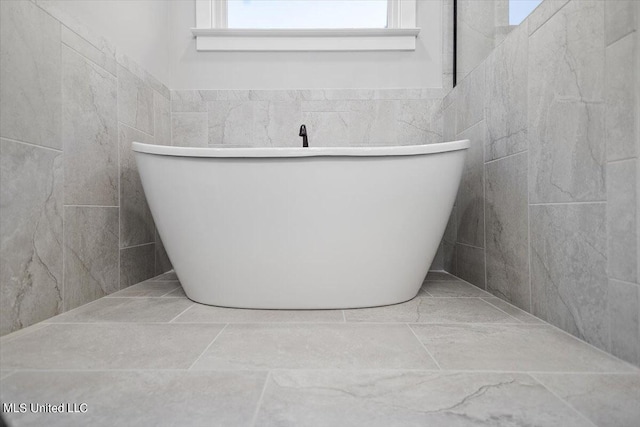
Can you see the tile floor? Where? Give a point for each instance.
(453, 356)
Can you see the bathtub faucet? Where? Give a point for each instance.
(303, 134)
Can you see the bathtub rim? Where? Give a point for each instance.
(278, 152)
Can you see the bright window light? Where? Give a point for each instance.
(307, 13)
(520, 9)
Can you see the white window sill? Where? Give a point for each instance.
(357, 39)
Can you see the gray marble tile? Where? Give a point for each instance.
(161, 119)
(476, 34)
(566, 106)
(20, 332)
(449, 255)
(543, 13)
(189, 129)
(178, 293)
(435, 276)
(329, 129)
(170, 275)
(470, 264)
(277, 124)
(506, 97)
(30, 95)
(231, 122)
(108, 346)
(188, 101)
(325, 106)
(101, 57)
(419, 122)
(127, 310)
(449, 123)
(513, 348)
(89, 132)
(136, 264)
(512, 310)
(507, 230)
(148, 288)
(5, 374)
(607, 400)
(200, 313)
(402, 398)
(374, 122)
(470, 106)
(622, 220)
(30, 233)
(451, 232)
(624, 319)
(452, 288)
(147, 78)
(432, 310)
(568, 269)
(438, 259)
(136, 222)
(470, 200)
(315, 346)
(621, 98)
(619, 19)
(135, 101)
(91, 254)
(163, 263)
(159, 398)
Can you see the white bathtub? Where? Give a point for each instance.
(301, 228)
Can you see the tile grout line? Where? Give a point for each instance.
(592, 202)
(570, 406)
(432, 370)
(207, 348)
(259, 404)
(499, 309)
(424, 347)
(344, 316)
(31, 144)
(170, 292)
(181, 313)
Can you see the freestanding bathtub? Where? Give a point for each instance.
(301, 228)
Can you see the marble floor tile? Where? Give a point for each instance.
(158, 398)
(21, 332)
(513, 348)
(440, 275)
(452, 288)
(201, 313)
(315, 346)
(178, 293)
(432, 310)
(400, 398)
(5, 374)
(512, 310)
(149, 288)
(117, 310)
(607, 400)
(170, 275)
(104, 346)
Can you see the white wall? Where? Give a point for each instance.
(138, 28)
(298, 70)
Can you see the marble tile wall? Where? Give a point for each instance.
(333, 117)
(547, 213)
(74, 223)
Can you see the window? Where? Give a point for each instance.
(520, 9)
(307, 14)
(305, 25)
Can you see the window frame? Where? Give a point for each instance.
(212, 33)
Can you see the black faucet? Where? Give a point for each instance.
(303, 134)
